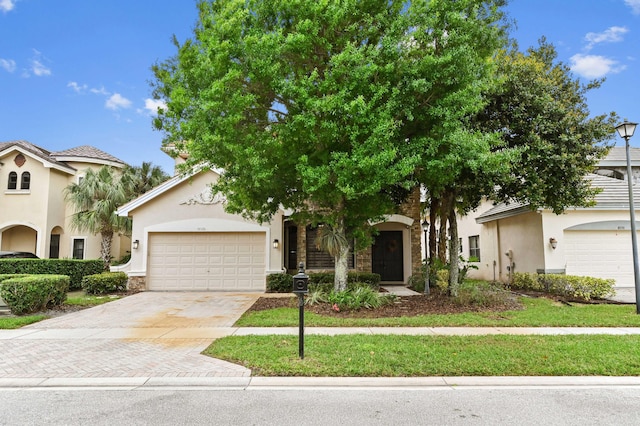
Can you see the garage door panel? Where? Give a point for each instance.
(600, 254)
(206, 261)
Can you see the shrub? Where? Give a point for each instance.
(581, 288)
(283, 283)
(442, 279)
(74, 268)
(33, 293)
(106, 282)
(358, 296)
(482, 294)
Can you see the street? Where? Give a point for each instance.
(548, 405)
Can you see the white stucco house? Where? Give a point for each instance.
(34, 216)
(594, 241)
(182, 239)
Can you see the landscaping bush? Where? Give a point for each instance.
(74, 268)
(106, 282)
(358, 296)
(581, 288)
(33, 293)
(283, 283)
(481, 294)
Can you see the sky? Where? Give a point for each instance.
(78, 72)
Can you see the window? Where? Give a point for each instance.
(318, 259)
(474, 247)
(78, 248)
(13, 181)
(54, 246)
(25, 180)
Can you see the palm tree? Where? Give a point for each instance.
(140, 179)
(95, 199)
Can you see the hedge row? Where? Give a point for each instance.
(75, 269)
(581, 288)
(33, 293)
(283, 283)
(104, 283)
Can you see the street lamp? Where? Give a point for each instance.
(625, 130)
(425, 229)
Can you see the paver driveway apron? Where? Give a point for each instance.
(149, 334)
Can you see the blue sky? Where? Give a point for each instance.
(77, 72)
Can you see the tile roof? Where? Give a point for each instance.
(614, 195)
(84, 153)
(87, 151)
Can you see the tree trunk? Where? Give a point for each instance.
(341, 259)
(454, 254)
(105, 248)
(433, 218)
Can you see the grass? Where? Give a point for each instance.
(414, 356)
(537, 312)
(74, 298)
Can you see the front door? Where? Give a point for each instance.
(386, 256)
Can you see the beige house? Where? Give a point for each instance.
(34, 216)
(184, 240)
(592, 241)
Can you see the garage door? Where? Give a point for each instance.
(206, 261)
(601, 254)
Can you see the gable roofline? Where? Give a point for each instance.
(37, 153)
(126, 209)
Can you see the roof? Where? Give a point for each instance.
(617, 157)
(614, 195)
(84, 152)
(59, 160)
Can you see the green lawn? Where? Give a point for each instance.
(538, 312)
(75, 298)
(407, 356)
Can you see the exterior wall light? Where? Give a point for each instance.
(135, 244)
(553, 242)
(276, 243)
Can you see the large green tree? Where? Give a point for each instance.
(97, 196)
(324, 107)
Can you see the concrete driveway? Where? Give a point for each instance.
(149, 334)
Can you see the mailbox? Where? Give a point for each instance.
(301, 281)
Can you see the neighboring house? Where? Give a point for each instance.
(34, 216)
(594, 241)
(184, 240)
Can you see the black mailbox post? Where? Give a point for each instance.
(301, 287)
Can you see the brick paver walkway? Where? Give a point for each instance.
(143, 335)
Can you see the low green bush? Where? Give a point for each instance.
(33, 293)
(104, 283)
(358, 296)
(74, 268)
(283, 283)
(581, 288)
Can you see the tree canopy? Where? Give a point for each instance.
(325, 107)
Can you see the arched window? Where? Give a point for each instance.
(25, 180)
(13, 180)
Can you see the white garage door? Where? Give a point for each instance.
(206, 261)
(600, 254)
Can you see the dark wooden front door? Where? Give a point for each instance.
(386, 256)
(291, 247)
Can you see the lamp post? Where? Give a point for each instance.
(425, 229)
(626, 130)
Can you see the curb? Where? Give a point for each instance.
(263, 383)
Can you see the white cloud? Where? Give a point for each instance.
(8, 65)
(594, 66)
(634, 5)
(100, 91)
(117, 101)
(152, 105)
(39, 69)
(77, 87)
(610, 35)
(7, 5)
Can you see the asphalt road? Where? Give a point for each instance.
(555, 405)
